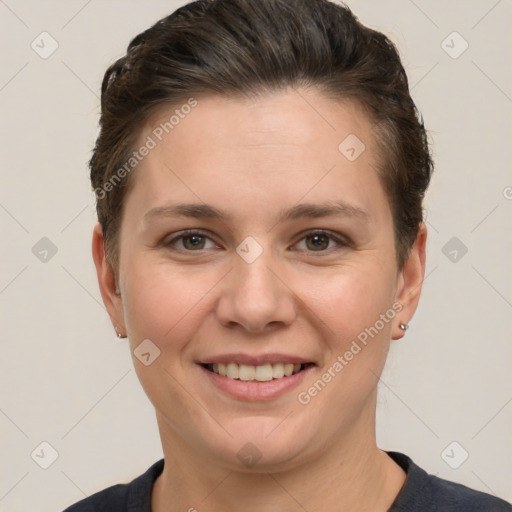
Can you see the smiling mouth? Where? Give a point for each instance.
(261, 373)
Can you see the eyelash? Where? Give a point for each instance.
(197, 232)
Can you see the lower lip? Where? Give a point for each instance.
(255, 390)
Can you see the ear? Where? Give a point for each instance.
(410, 281)
(106, 279)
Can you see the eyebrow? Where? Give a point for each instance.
(299, 211)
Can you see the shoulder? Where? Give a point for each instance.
(110, 499)
(427, 493)
(134, 496)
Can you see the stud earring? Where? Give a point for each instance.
(119, 335)
(404, 327)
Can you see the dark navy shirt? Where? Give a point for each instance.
(421, 492)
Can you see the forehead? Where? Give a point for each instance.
(276, 148)
(302, 121)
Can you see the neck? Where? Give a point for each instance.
(350, 475)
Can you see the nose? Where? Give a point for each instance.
(255, 297)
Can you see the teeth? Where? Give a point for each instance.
(231, 370)
(264, 372)
(261, 373)
(277, 371)
(288, 369)
(247, 372)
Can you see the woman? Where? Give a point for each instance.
(259, 177)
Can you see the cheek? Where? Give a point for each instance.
(349, 299)
(163, 304)
(167, 307)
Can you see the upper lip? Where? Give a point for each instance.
(254, 360)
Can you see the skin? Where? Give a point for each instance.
(254, 158)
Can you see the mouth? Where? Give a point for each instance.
(255, 377)
(260, 373)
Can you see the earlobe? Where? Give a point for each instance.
(410, 283)
(107, 282)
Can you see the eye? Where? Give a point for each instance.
(320, 241)
(191, 240)
(315, 241)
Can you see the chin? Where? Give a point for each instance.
(264, 444)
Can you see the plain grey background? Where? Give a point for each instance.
(446, 393)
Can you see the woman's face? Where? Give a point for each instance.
(289, 261)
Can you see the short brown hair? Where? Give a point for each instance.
(246, 47)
